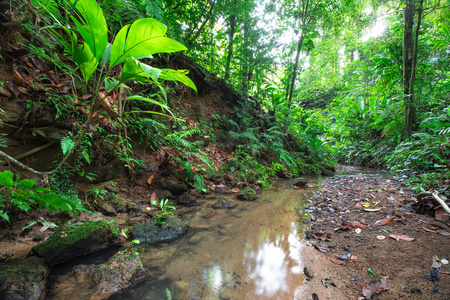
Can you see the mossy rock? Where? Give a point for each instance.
(121, 271)
(209, 174)
(159, 233)
(23, 279)
(224, 203)
(69, 242)
(247, 194)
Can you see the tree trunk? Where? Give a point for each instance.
(294, 72)
(230, 45)
(408, 71)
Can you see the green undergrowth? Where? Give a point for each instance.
(24, 195)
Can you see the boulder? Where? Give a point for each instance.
(153, 232)
(187, 200)
(174, 186)
(120, 272)
(69, 242)
(247, 194)
(107, 209)
(224, 203)
(23, 279)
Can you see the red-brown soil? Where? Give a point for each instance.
(403, 264)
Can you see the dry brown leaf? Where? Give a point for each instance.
(386, 221)
(429, 230)
(322, 236)
(436, 225)
(154, 197)
(150, 178)
(375, 287)
(209, 216)
(336, 261)
(356, 224)
(401, 237)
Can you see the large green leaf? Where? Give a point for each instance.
(133, 69)
(91, 24)
(178, 75)
(144, 37)
(82, 54)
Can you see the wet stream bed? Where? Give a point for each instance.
(251, 251)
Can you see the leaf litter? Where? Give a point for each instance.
(339, 206)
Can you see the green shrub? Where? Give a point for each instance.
(23, 195)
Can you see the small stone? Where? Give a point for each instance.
(195, 239)
(180, 290)
(187, 200)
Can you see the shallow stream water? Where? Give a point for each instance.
(250, 252)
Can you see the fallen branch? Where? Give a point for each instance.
(436, 198)
(32, 151)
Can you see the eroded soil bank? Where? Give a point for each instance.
(390, 239)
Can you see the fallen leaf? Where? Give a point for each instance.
(386, 221)
(381, 237)
(154, 197)
(437, 226)
(209, 216)
(356, 224)
(322, 236)
(367, 204)
(375, 287)
(336, 261)
(372, 209)
(429, 230)
(150, 178)
(443, 232)
(371, 273)
(323, 249)
(401, 237)
(354, 257)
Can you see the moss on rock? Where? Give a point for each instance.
(23, 279)
(158, 233)
(247, 194)
(69, 242)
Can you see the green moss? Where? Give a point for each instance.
(247, 194)
(72, 234)
(69, 242)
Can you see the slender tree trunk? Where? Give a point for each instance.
(408, 71)
(294, 72)
(230, 45)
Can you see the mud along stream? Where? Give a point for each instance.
(250, 252)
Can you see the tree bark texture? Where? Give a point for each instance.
(230, 45)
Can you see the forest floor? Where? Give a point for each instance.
(363, 226)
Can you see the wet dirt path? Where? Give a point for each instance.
(366, 238)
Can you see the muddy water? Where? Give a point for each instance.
(250, 252)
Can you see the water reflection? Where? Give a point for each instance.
(273, 262)
(212, 276)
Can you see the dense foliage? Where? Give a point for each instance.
(356, 81)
